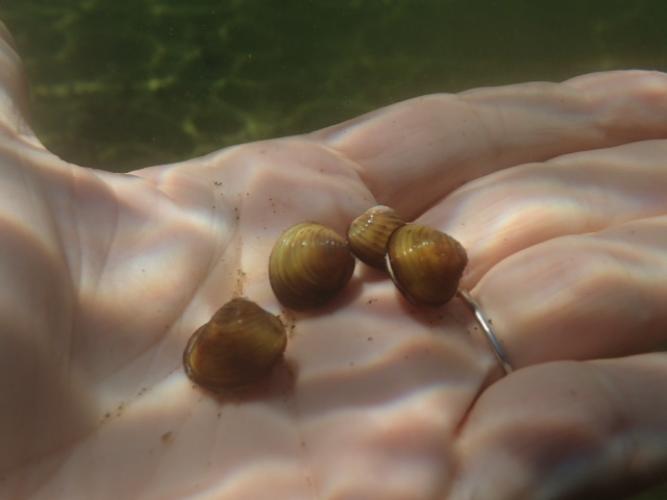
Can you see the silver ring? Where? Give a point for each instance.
(488, 330)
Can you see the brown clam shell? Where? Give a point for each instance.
(236, 348)
(310, 264)
(369, 233)
(425, 264)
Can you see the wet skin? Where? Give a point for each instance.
(555, 190)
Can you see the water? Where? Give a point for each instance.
(130, 83)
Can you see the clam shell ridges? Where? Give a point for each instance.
(309, 265)
(425, 264)
(237, 347)
(370, 232)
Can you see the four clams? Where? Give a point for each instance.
(238, 347)
(310, 264)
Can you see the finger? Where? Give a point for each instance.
(567, 430)
(636, 107)
(13, 89)
(511, 210)
(415, 152)
(582, 297)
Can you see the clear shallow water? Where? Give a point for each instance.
(129, 83)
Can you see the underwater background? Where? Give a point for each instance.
(124, 84)
(128, 83)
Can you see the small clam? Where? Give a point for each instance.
(309, 264)
(369, 233)
(237, 347)
(425, 264)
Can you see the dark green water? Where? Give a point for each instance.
(128, 83)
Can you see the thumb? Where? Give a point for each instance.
(13, 90)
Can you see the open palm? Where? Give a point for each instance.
(556, 191)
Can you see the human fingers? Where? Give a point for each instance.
(596, 429)
(508, 211)
(413, 153)
(569, 252)
(581, 297)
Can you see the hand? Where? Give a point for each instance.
(557, 193)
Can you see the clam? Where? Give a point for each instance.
(369, 233)
(425, 264)
(238, 347)
(310, 263)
